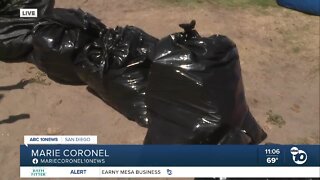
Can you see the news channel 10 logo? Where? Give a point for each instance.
(298, 156)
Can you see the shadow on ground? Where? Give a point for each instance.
(20, 85)
(14, 118)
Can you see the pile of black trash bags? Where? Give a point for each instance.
(185, 88)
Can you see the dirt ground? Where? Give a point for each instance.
(279, 51)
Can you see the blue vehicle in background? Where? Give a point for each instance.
(306, 6)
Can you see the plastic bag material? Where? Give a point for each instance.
(15, 32)
(195, 93)
(59, 37)
(116, 69)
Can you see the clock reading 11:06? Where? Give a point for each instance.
(272, 151)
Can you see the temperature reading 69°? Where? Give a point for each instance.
(272, 155)
(272, 160)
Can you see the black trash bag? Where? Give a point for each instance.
(15, 32)
(195, 93)
(116, 69)
(59, 37)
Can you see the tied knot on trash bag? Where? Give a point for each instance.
(189, 45)
(189, 31)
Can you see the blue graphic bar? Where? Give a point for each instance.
(169, 155)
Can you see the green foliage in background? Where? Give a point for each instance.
(228, 3)
(243, 3)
